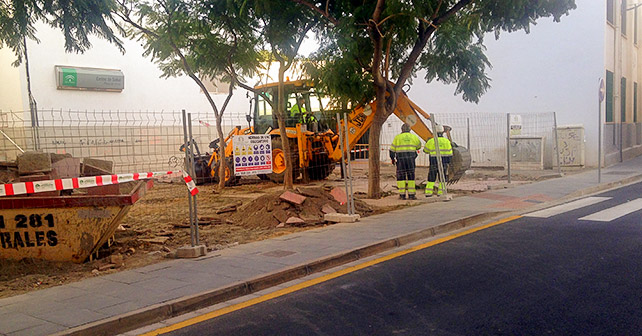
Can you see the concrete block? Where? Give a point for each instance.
(326, 209)
(341, 218)
(66, 168)
(34, 162)
(191, 251)
(93, 167)
(293, 198)
(295, 221)
(55, 157)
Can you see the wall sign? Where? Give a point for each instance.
(81, 78)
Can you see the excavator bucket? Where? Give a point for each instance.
(459, 163)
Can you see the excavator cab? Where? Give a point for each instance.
(313, 114)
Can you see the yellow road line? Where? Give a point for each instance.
(312, 282)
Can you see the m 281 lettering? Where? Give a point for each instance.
(21, 222)
(25, 239)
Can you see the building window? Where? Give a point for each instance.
(623, 105)
(609, 12)
(635, 102)
(624, 17)
(609, 96)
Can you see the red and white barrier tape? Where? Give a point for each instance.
(190, 184)
(22, 188)
(359, 150)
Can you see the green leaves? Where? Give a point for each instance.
(452, 52)
(206, 38)
(76, 19)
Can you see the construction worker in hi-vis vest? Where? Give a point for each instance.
(403, 153)
(446, 152)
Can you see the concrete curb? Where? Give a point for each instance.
(604, 186)
(162, 311)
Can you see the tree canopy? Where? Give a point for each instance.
(76, 19)
(372, 49)
(444, 38)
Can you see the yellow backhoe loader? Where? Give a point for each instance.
(314, 138)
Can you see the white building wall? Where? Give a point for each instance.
(144, 89)
(11, 83)
(554, 68)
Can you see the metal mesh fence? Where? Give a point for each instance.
(138, 141)
(133, 140)
(484, 134)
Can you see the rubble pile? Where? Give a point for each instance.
(302, 207)
(39, 166)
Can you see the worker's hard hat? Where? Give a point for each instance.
(405, 128)
(439, 128)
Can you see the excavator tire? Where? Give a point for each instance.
(459, 164)
(202, 171)
(320, 166)
(230, 178)
(278, 160)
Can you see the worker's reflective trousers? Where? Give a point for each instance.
(433, 175)
(406, 174)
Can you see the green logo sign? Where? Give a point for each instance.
(69, 77)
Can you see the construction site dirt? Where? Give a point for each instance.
(254, 210)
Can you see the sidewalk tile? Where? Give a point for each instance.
(13, 322)
(71, 316)
(42, 329)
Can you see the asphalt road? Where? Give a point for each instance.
(558, 275)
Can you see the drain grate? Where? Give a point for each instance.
(278, 253)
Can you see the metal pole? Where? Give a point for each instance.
(621, 137)
(557, 150)
(347, 140)
(508, 144)
(468, 134)
(440, 166)
(11, 140)
(187, 164)
(343, 162)
(193, 173)
(599, 142)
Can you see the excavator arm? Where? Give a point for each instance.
(361, 118)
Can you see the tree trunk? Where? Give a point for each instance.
(221, 153)
(374, 159)
(288, 181)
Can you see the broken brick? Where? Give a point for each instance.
(339, 195)
(293, 198)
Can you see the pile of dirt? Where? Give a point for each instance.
(270, 210)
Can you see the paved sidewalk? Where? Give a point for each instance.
(105, 304)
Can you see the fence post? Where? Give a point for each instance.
(349, 172)
(440, 166)
(557, 150)
(508, 145)
(187, 165)
(468, 132)
(342, 146)
(193, 173)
